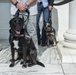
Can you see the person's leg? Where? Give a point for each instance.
(45, 18)
(32, 30)
(39, 9)
(46, 14)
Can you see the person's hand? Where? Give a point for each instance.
(50, 7)
(21, 6)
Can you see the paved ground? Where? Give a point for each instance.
(47, 55)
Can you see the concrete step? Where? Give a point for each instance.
(0, 47)
(47, 55)
(4, 43)
(67, 55)
(50, 69)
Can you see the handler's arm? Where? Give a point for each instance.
(22, 6)
(50, 2)
(30, 2)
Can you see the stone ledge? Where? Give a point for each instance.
(0, 47)
(67, 55)
(3, 51)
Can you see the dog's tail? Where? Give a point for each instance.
(40, 63)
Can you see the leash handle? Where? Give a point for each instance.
(26, 11)
(62, 2)
(17, 13)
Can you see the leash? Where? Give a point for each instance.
(62, 2)
(26, 11)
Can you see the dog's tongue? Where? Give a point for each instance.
(18, 32)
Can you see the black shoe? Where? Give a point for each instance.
(39, 43)
(43, 43)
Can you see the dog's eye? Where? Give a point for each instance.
(19, 20)
(15, 21)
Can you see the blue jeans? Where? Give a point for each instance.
(45, 12)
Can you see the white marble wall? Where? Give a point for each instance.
(60, 18)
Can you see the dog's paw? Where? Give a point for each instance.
(11, 65)
(24, 66)
(54, 44)
(21, 62)
(30, 64)
(47, 44)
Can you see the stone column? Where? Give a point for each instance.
(70, 34)
(67, 48)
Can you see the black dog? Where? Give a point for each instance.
(21, 42)
(50, 33)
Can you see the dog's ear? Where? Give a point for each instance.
(10, 22)
(22, 17)
(44, 23)
(50, 21)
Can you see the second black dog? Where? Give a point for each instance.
(50, 33)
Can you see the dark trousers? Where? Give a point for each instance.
(45, 12)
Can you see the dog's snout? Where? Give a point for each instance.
(18, 30)
(47, 24)
(18, 27)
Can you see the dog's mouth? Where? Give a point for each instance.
(17, 32)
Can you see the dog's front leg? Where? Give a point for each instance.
(24, 56)
(54, 42)
(12, 57)
(12, 51)
(47, 40)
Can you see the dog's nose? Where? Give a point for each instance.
(18, 30)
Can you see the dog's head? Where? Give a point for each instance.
(16, 24)
(47, 26)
